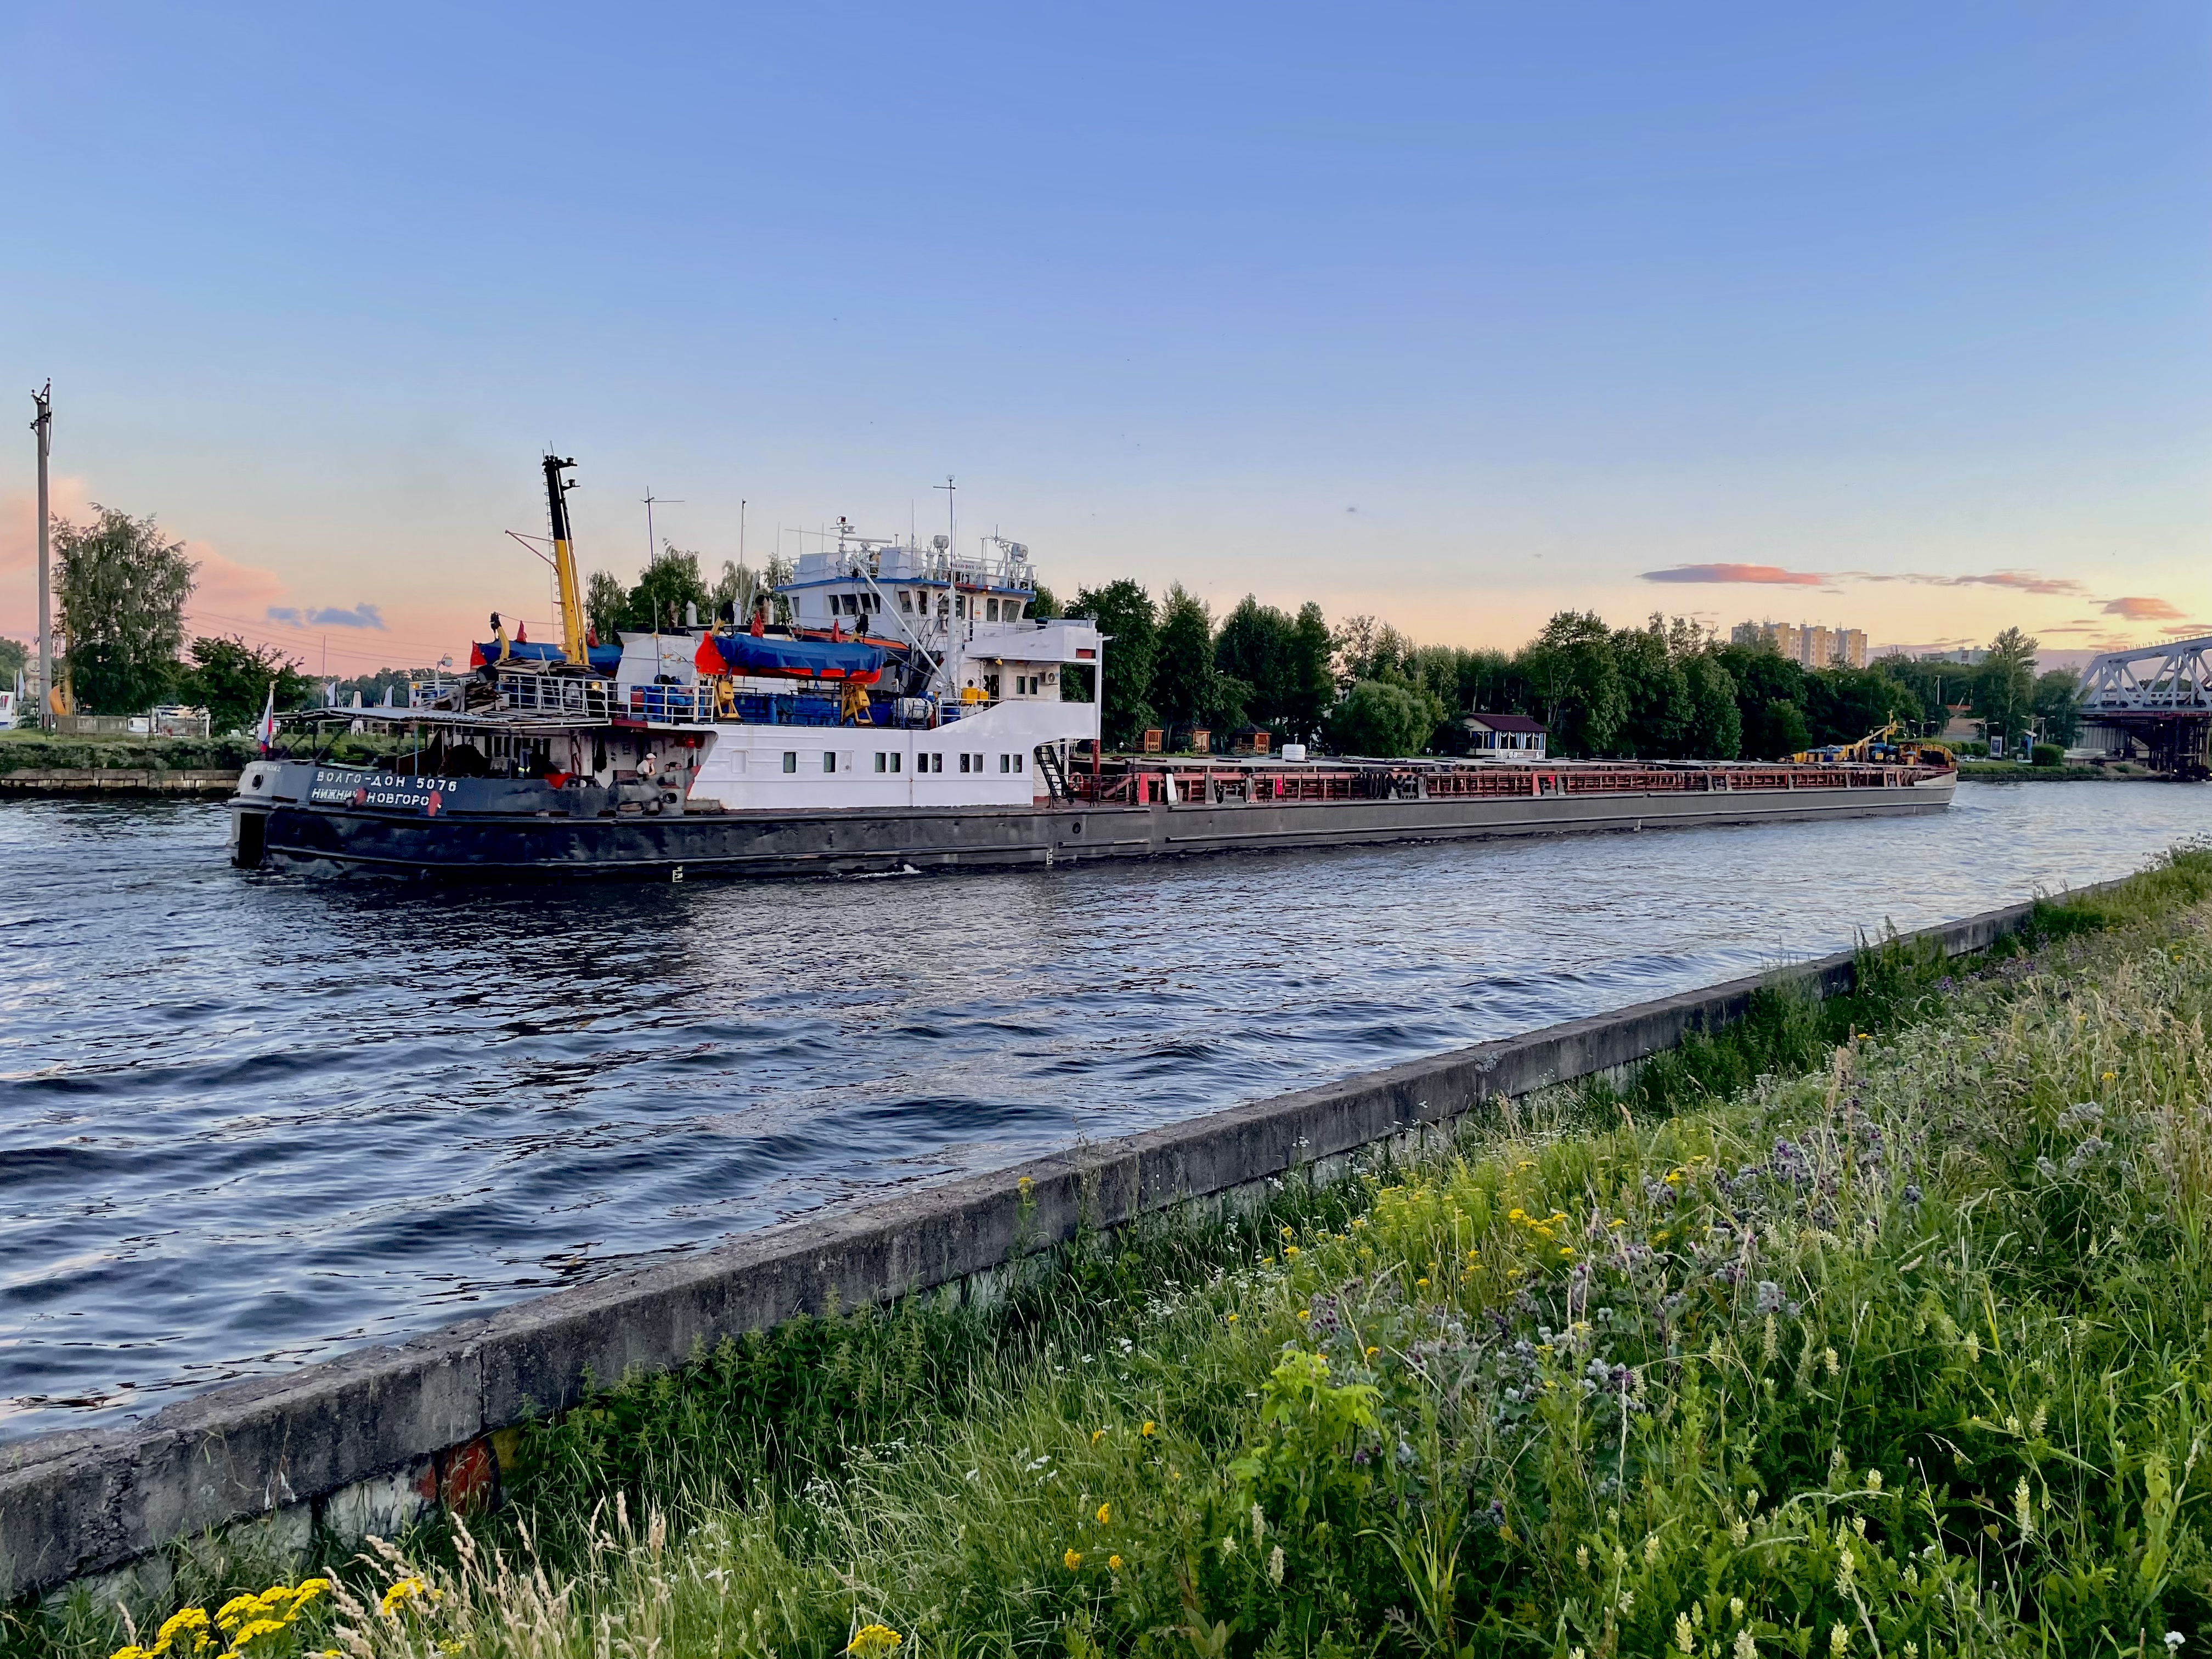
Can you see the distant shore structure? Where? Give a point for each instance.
(1809, 644)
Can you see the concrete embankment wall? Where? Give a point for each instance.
(115, 780)
(362, 1443)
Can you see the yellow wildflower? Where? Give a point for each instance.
(1097, 1434)
(188, 1619)
(1105, 1514)
(1420, 1284)
(256, 1627)
(1114, 1564)
(1150, 1429)
(873, 1641)
(1232, 1319)
(1289, 1251)
(1567, 1250)
(1371, 1353)
(1071, 1560)
(401, 1592)
(1305, 1313)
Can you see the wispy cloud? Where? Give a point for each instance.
(1772, 574)
(2140, 609)
(361, 616)
(2019, 582)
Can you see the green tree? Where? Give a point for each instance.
(1770, 691)
(664, 588)
(1715, 729)
(1488, 684)
(1256, 646)
(122, 589)
(2057, 702)
(2004, 687)
(1309, 682)
(1934, 685)
(14, 658)
(1123, 613)
(373, 687)
(1656, 691)
(606, 602)
(1182, 671)
(1044, 605)
(1576, 681)
(735, 591)
(1843, 705)
(1381, 717)
(231, 680)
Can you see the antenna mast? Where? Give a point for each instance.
(952, 538)
(564, 561)
(43, 424)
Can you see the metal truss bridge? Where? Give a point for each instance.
(2160, 696)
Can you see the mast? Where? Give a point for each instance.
(564, 561)
(44, 426)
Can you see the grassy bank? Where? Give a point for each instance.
(1871, 1326)
(2012, 772)
(22, 752)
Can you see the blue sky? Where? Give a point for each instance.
(1453, 314)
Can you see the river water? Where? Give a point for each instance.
(247, 1121)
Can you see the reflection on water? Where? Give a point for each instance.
(248, 1121)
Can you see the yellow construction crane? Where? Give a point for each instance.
(1878, 746)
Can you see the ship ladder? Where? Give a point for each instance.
(1055, 776)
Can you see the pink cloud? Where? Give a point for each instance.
(2021, 581)
(225, 586)
(1763, 573)
(2138, 610)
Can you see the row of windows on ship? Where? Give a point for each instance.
(913, 601)
(888, 760)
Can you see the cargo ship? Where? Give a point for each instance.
(907, 712)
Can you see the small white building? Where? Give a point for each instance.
(1504, 736)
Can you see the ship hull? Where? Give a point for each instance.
(543, 845)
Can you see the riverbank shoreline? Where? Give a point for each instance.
(1971, 771)
(36, 782)
(268, 1433)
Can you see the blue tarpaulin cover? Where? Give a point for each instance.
(823, 659)
(605, 659)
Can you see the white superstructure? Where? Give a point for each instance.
(988, 688)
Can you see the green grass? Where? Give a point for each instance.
(2012, 772)
(36, 751)
(1875, 1325)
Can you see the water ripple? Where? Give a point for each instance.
(247, 1121)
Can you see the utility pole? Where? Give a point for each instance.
(43, 424)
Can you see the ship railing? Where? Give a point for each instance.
(1148, 783)
(825, 707)
(568, 696)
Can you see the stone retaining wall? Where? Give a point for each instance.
(363, 1442)
(115, 780)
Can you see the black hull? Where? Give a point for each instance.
(678, 846)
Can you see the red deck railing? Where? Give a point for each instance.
(1136, 783)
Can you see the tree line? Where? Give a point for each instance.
(120, 586)
(1669, 690)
